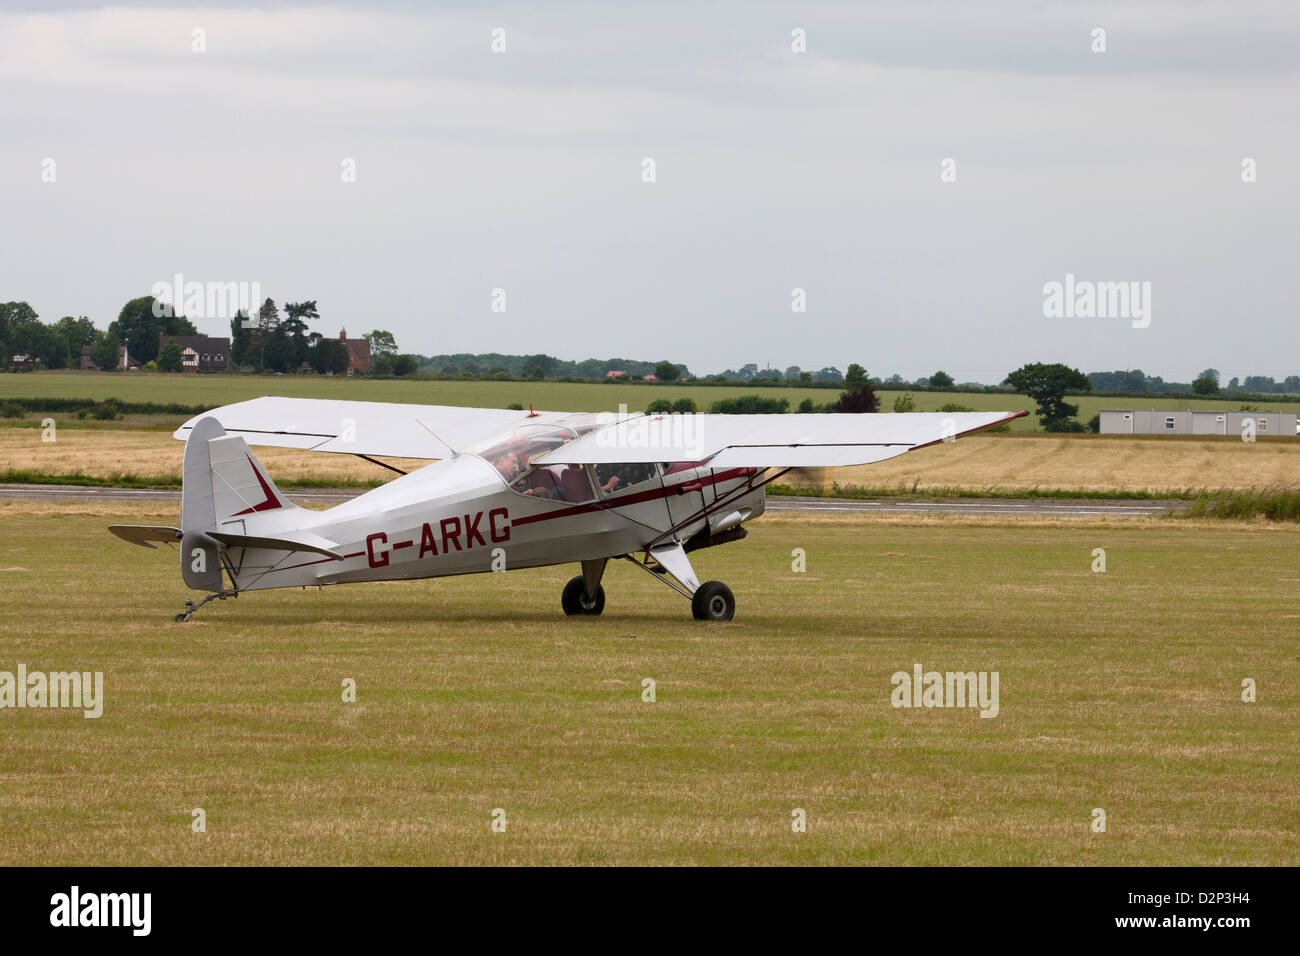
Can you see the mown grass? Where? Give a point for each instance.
(1119, 690)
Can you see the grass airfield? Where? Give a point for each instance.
(1119, 690)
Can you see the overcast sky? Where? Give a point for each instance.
(775, 170)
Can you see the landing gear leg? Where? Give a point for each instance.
(191, 607)
(710, 601)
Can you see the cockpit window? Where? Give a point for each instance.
(513, 455)
(556, 483)
(614, 479)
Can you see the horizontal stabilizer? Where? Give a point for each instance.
(144, 534)
(301, 541)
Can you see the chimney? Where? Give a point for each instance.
(343, 335)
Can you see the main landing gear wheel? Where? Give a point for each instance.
(574, 598)
(713, 601)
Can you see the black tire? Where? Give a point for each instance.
(574, 598)
(713, 601)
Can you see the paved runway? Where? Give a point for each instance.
(971, 506)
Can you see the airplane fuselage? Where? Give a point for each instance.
(459, 516)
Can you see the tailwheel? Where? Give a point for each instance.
(574, 598)
(713, 601)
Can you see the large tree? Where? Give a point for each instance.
(941, 379)
(861, 399)
(1047, 385)
(667, 372)
(104, 353)
(297, 315)
(328, 355)
(241, 339)
(13, 314)
(1207, 383)
(382, 344)
(139, 323)
(855, 377)
(170, 359)
(76, 332)
(23, 333)
(40, 342)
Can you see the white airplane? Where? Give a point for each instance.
(508, 490)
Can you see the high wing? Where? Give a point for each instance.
(364, 428)
(770, 441)
(724, 441)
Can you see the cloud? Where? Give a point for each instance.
(775, 170)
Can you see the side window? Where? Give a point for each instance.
(615, 479)
(557, 483)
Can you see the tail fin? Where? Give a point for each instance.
(223, 486)
(223, 480)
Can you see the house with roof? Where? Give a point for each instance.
(199, 353)
(358, 353)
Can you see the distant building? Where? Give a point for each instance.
(650, 378)
(1166, 421)
(358, 353)
(199, 353)
(86, 363)
(125, 362)
(616, 373)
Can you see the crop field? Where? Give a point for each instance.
(1119, 691)
(1005, 464)
(217, 390)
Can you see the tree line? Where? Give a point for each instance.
(271, 343)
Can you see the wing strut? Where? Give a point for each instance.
(382, 464)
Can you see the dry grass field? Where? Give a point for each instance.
(1105, 463)
(1119, 691)
(1002, 463)
(153, 454)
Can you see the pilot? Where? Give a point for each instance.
(508, 465)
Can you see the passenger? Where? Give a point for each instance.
(542, 484)
(574, 485)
